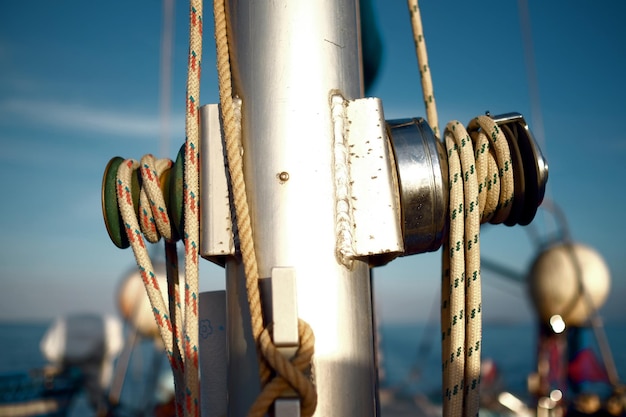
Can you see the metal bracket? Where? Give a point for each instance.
(370, 191)
(287, 407)
(371, 177)
(285, 330)
(284, 311)
(216, 232)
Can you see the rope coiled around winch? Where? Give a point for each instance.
(473, 181)
(153, 223)
(179, 336)
(481, 189)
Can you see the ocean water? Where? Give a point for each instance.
(410, 356)
(20, 351)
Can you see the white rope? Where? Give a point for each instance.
(170, 330)
(424, 68)
(481, 189)
(179, 336)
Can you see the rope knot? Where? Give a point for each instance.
(289, 374)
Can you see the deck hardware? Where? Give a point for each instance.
(112, 217)
(171, 183)
(285, 330)
(287, 407)
(422, 170)
(364, 167)
(216, 226)
(532, 173)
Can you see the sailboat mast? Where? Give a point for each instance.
(288, 59)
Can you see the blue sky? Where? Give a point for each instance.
(79, 85)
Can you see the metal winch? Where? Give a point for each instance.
(389, 193)
(416, 190)
(422, 169)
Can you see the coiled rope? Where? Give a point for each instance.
(288, 373)
(152, 224)
(179, 337)
(277, 374)
(481, 190)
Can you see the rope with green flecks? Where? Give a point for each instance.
(287, 373)
(481, 189)
(427, 83)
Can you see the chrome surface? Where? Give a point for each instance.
(422, 170)
(289, 59)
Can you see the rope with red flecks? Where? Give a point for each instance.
(152, 224)
(179, 337)
(191, 188)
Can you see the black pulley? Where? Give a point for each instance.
(532, 172)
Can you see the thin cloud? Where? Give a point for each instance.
(84, 118)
